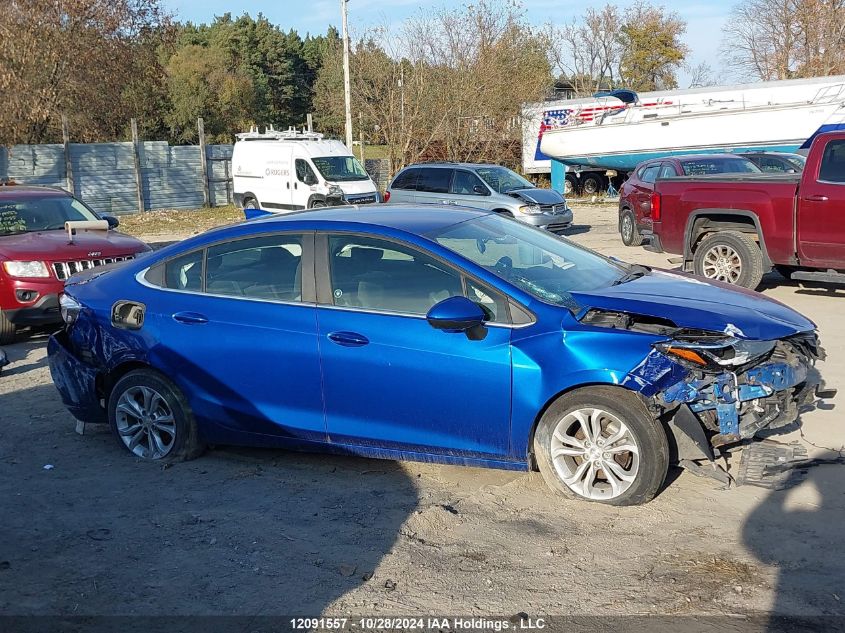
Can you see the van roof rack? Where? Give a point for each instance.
(270, 134)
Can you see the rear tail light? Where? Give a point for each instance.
(655, 206)
(386, 197)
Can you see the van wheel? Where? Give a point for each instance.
(628, 229)
(731, 257)
(601, 444)
(151, 418)
(7, 330)
(318, 204)
(251, 203)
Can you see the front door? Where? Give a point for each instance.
(390, 379)
(821, 210)
(238, 333)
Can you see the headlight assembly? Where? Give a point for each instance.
(530, 209)
(714, 354)
(26, 269)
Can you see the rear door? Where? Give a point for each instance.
(821, 208)
(235, 326)
(433, 185)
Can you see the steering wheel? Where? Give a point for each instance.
(504, 266)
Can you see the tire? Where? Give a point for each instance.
(591, 185)
(318, 204)
(569, 186)
(616, 410)
(251, 203)
(628, 229)
(8, 330)
(503, 212)
(184, 443)
(731, 257)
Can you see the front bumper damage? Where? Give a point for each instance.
(711, 415)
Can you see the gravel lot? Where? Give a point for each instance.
(261, 532)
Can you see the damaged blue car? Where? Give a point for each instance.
(434, 334)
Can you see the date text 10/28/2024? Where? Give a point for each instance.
(434, 623)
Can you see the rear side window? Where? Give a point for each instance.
(833, 163)
(267, 267)
(406, 180)
(434, 180)
(650, 173)
(184, 272)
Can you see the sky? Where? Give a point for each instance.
(704, 18)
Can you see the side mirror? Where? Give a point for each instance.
(456, 314)
(480, 190)
(113, 221)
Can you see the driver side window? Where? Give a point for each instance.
(304, 173)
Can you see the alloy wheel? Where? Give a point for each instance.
(595, 454)
(145, 422)
(722, 263)
(627, 228)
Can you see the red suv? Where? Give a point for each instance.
(38, 252)
(635, 194)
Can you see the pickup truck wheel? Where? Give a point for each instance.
(601, 444)
(7, 330)
(731, 257)
(628, 229)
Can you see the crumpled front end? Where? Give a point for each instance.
(715, 390)
(734, 405)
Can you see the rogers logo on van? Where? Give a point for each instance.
(276, 172)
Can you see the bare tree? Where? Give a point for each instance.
(587, 51)
(782, 39)
(700, 75)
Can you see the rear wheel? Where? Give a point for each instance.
(730, 257)
(7, 330)
(151, 418)
(628, 229)
(601, 444)
(569, 186)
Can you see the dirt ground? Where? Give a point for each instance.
(87, 530)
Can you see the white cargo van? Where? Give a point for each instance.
(286, 171)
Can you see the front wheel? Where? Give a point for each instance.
(7, 330)
(601, 444)
(151, 418)
(251, 203)
(731, 257)
(628, 229)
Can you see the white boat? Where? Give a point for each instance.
(625, 134)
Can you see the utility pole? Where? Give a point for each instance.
(347, 92)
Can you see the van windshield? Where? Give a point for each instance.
(340, 168)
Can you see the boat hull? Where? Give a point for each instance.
(623, 145)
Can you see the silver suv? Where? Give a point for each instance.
(489, 187)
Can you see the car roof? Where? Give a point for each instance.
(447, 164)
(15, 192)
(412, 218)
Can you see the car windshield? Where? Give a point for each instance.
(502, 179)
(40, 213)
(797, 160)
(705, 166)
(340, 168)
(538, 262)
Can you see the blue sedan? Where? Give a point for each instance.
(430, 334)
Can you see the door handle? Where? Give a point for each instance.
(348, 339)
(190, 318)
(817, 198)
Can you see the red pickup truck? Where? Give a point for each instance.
(38, 251)
(734, 228)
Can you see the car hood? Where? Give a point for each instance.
(693, 303)
(54, 246)
(539, 196)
